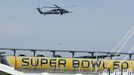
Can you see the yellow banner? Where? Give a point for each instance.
(69, 63)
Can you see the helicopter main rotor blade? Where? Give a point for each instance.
(57, 6)
(69, 6)
(47, 7)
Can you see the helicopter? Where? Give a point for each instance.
(56, 10)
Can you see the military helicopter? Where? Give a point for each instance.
(56, 10)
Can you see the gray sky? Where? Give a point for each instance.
(93, 25)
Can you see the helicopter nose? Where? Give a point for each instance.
(67, 11)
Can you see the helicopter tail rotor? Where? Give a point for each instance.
(38, 7)
(39, 10)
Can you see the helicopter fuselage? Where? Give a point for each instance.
(56, 11)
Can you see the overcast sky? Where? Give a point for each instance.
(93, 25)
